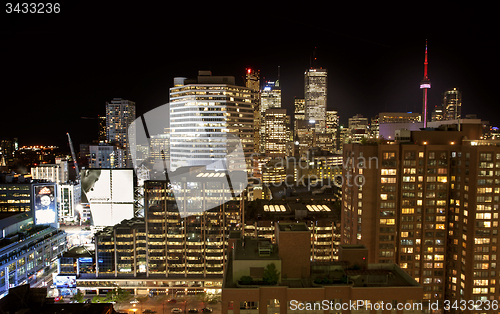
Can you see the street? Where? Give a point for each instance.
(161, 305)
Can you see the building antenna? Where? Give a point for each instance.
(278, 81)
(425, 85)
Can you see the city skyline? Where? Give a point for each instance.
(373, 66)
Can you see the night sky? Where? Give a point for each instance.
(57, 69)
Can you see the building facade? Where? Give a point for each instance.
(428, 206)
(315, 94)
(120, 113)
(209, 116)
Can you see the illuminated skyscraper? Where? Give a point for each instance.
(452, 104)
(252, 81)
(204, 114)
(299, 114)
(270, 98)
(120, 113)
(315, 92)
(277, 131)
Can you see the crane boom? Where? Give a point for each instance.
(74, 157)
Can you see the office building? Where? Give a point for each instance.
(299, 114)
(315, 94)
(390, 122)
(277, 132)
(107, 156)
(358, 128)
(431, 205)
(69, 196)
(263, 277)
(270, 98)
(452, 104)
(57, 172)
(438, 113)
(252, 82)
(120, 113)
(170, 250)
(208, 117)
(28, 253)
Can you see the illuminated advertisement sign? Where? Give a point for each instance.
(45, 204)
(85, 259)
(65, 281)
(110, 193)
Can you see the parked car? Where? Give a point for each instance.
(172, 301)
(176, 310)
(193, 311)
(148, 311)
(206, 310)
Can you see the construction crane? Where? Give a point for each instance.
(75, 163)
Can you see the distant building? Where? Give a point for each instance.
(358, 128)
(277, 132)
(270, 98)
(315, 94)
(106, 156)
(120, 113)
(252, 81)
(299, 115)
(57, 172)
(452, 104)
(390, 122)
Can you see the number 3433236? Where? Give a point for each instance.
(32, 8)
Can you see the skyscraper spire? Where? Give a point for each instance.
(425, 85)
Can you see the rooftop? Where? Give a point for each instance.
(293, 227)
(255, 249)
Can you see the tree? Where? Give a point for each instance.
(203, 298)
(271, 275)
(78, 297)
(98, 299)
(117, 295)
(246, 280)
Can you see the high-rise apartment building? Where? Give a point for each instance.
(452, 104)
(209, 116)
(315, 94)
(430, 206)
(120, 113)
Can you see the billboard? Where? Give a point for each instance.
(65, 281)
(110, 193)
(45, 204)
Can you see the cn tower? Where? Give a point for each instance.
(425, 85)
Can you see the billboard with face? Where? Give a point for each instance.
(45, 204)
(110, 193)
(62, 281)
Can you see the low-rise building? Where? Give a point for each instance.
(262, 277)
